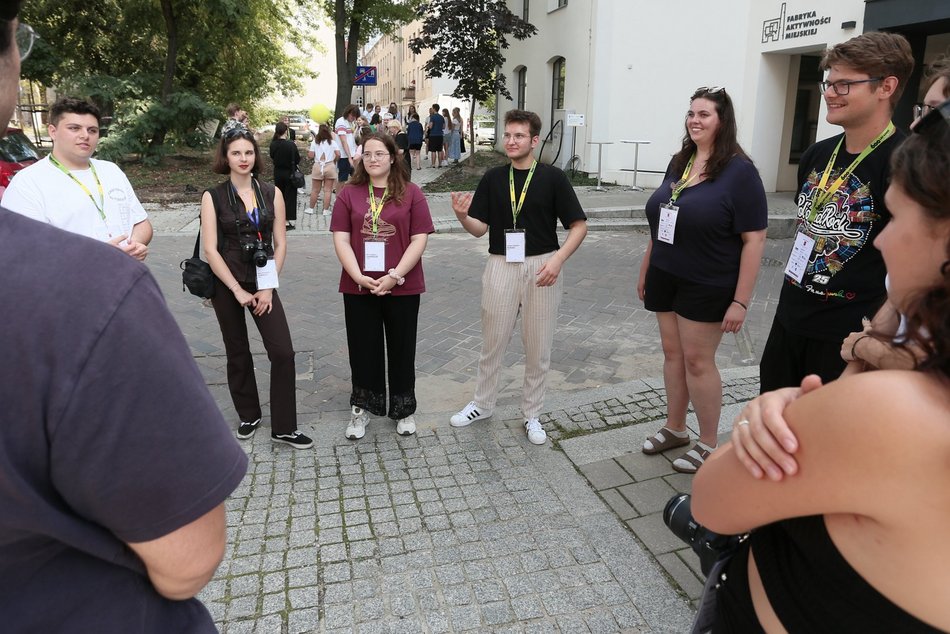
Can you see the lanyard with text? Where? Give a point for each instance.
(824, 193)
(516, 208)
(100, 206)
(684, 181)
(376, 211)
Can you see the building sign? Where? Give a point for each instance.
(789, 27)
(574, 120)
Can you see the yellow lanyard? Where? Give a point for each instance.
(684, 181)
(516, 208)
(374, 209)
(824, 193)
(101, 205)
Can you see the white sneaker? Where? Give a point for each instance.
(536, 435)
(406, 426)
(308, 210)
(327, 212)
(358, 422)
(469, 414)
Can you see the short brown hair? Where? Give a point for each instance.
(939, 69)
(351, 109)
(878, 54)
(525, 116)
(73, 105)
(232, 109)
(220, 165)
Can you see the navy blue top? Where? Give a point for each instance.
(707, 244)
(415, 132)
(438, 124)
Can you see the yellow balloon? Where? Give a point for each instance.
(320, 113)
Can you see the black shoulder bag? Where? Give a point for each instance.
(196, 274)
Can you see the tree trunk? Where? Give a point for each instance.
(171, 63)
(471, 130)
(347, 39)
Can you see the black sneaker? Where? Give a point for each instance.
(296, 440)
(246, 430)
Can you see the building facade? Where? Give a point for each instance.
(630, 66)
(401, 77)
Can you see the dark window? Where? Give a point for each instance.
(524, 10)
(557, 85)
(522, 75)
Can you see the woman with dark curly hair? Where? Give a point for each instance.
(380, 226)
(855, 539)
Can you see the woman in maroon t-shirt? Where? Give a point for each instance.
(380, 227)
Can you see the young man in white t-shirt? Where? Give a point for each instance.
(73, 191)
(347, 140)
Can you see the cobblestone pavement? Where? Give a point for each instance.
(467, 529)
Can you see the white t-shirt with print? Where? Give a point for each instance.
(344, 130)
(43, 192)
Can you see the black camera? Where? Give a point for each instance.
(255, 252)
(708, 545)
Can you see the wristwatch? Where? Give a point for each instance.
(399, 280)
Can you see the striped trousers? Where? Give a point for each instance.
(507, 290)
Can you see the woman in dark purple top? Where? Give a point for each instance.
(707, 233)
(380, 228)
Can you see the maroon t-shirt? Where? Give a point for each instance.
(397, 223)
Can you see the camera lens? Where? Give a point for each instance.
(679, 518)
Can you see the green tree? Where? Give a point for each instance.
(162, 66)
(468, 39)
(354, 23)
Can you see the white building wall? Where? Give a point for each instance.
(633, 64)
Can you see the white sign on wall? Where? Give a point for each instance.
(574, 120)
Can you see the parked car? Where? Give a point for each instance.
(16, 152)
(299, 124)
(485, 132)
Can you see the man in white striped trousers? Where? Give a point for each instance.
(519, 205)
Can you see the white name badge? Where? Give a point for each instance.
(800, 256)
(374, 256)
(267, 275)
(667, 228)
(514, 246)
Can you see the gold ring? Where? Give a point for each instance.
(742, 422)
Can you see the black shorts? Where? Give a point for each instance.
(435, 144)
(664, 292)
(415, 146)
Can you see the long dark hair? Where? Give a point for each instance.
(725, 146)
(921, 167)
(323, 134)
(279, 130)
(398, 175)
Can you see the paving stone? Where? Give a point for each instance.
(651, 530)
(682, 575)
(649, 496)
(643, 467)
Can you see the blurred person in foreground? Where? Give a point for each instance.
(115, 461)
(856, 540)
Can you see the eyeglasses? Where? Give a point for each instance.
(936, 115)
(25, 37)
(518, 138)
(843, 86)
(922, 109)
(376, 156)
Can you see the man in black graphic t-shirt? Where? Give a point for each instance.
(835, 276)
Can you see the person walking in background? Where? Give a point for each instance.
(416, 134)
(707, 232)
(246, 263)
(291, 133)
(459, 125)
(401, 139)
(380, 227)
(435, 131)
(285, 156)
(518, 205)
(325, 154)
(237, 118)
(346, 141)
(452, 138)
(410, 111)
(839, 279)
(73, 191)
(116, 463)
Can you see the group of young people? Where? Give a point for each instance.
(836, 472)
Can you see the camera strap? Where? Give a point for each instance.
(256, 215)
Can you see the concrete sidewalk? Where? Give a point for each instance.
(472, 529)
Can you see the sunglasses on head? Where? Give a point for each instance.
(936, 116)
(710, 90)
(238, 131)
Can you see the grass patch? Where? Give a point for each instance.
(464, 176)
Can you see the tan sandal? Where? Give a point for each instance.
(663, 440)
(692, 460)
